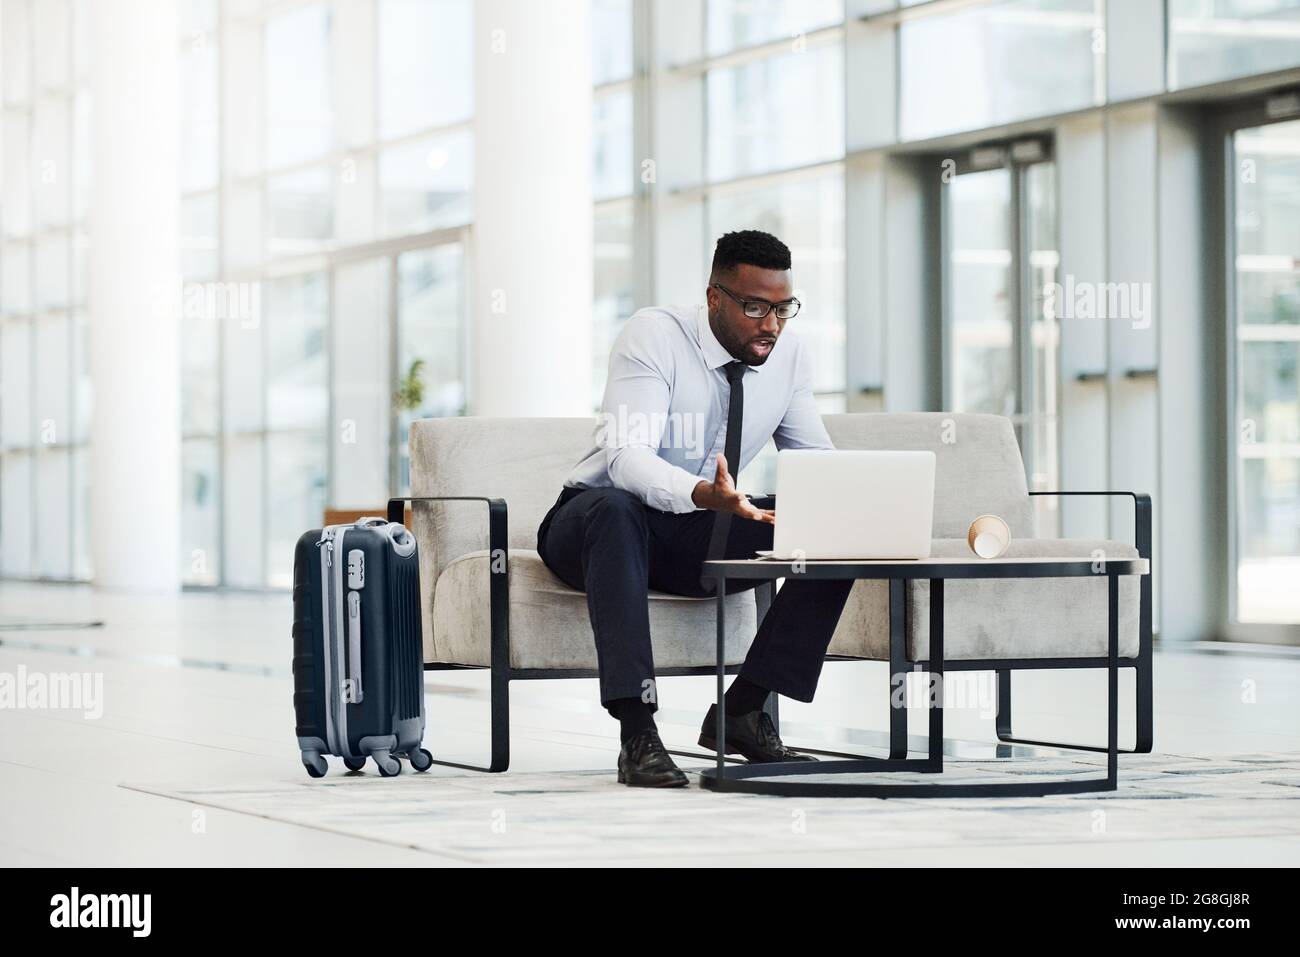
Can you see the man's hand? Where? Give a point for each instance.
(721, 496)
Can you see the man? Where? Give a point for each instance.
(693, 395)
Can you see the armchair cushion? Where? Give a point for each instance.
(1000, 618)
(549, 625)
(977, 462)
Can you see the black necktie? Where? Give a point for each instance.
(731, 449)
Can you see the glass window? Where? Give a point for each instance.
(17, 515)
(80, 267)
(611, 40)
(83, 395)
(53, 271)
(53, 412)
(295, 497)
(200, 513)
(82, 154)
(52, 168)
(82, 560)
(53, 515)
(299, 117)
(807, 214)
(81, 16)
(16, 190)
(242, 236)
(426, 67)
(296, 352)
(198, 115)
(997, 63)
(1267, 373)
(1228, 38)
(199, 236)
(362, 386)
(243, 518)
(15, 384)
(742, 23)
(613, 303)
(425, 184)
(301, 210)
(51, 33)
(431, 332)
(200, 382)
(16, 51)
(242, 365)
(197, 17)
(612, 145)
(776, 113)
(15, 279)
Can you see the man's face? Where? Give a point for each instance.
(747, 339)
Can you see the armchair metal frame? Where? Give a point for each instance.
(1141, 664)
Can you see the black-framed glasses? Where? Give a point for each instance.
(759, 308)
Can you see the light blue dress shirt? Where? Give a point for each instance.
(663, 420)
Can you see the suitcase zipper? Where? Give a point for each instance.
(335, 666)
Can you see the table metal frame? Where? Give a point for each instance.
(750, 778)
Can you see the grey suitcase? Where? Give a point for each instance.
(357, 657)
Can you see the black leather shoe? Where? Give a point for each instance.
(645, 763)
(753, 736)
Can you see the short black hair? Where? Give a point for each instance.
(750, 247)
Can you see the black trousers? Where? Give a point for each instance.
(611, 545)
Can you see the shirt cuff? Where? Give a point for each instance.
(683, 487)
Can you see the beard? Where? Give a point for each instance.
(740, 348)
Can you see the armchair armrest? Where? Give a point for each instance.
(498, 619)
(1142, 541)
(1141, 516)
(497, 537)
(498, 566)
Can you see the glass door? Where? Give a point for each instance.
(1264, 373)
(430, 347)
(1040, 342)
(981, 365)
(1001, 339)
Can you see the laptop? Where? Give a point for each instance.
(848, 504)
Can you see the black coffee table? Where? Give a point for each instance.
(752, 778)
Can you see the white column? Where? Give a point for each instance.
(530, 308)
(1190, 527)
(134, 289)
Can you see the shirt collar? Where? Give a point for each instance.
(715, 353)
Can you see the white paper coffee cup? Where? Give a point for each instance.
(989, 536)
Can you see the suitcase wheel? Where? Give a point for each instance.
(421, 759)
(354, 764)
(315, 764)
(388, 765)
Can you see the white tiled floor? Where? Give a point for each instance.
(197, 691)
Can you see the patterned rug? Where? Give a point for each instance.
(586, 817)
